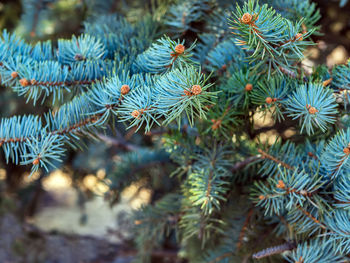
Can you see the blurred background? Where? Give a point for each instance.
(76, 214)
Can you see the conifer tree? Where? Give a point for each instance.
(198, 73)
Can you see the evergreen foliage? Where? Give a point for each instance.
(203, 72)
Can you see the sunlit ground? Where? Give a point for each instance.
(65, 216)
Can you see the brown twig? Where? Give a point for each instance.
(272, 158)
(70, 129)
(244, 229)
(312, 217)
(240, 165)
(118, 143)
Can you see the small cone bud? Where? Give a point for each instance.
(136, 114)
(268, 100)
(327, 82)
(125, 89)
(179, 49)
(196, 89)
(312, 110)
(24, 82)
(14, 74)
(248, 87)
(280, 184)
(246, 18)
(188, 93)
(299, 37)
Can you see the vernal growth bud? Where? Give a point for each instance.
(246, 18)
(268, 100)
(124, 89)
(14, 74)
(196, 89)
(136, 114)
(248, 87)
(36, 161)
(179, 49)
(299, 37)
(24, 82)
(280, 184)
(216, 124)
(312, 110)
